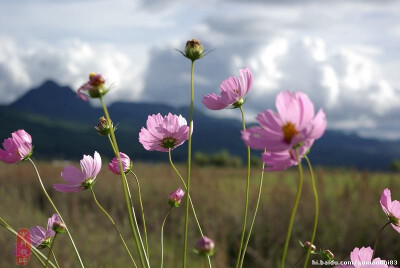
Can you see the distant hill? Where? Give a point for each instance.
(61, 125)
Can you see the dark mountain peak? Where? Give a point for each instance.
(52, 99)
(50, 84)
(49, 91)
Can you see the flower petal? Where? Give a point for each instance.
(72, 175)
(214, 102)
(65, 188)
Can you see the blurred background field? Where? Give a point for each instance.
(350, 213)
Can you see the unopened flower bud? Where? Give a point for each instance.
(205, 246)
(125, 161)
(59, 227)
(194, 49)
(308, 245)
(95, 87)
(103, 127)
(174, 198)
(328, 255)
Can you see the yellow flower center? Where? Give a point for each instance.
(289, 130)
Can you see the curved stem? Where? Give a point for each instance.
(137, 225)
(316, 210)
(162, 236)
(128, 202)
(296, 204)
(247, 195)
(59, 214)
(54, 257)
(190, 200)
(142, 211)
(133, 208)
(115, 226)
(39, 255)
(50, 250)
(255, 214)
(377, 239)
(189, 160)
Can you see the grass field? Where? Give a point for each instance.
(350, 214)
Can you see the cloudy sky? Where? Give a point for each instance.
(343, 53)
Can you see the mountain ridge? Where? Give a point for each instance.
(62, 126)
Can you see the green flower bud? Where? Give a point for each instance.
(194, 49)
(103, 128)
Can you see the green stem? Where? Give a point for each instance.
(162, 236)
(378, 237)
(296, 203)
(115, 226)
(56, 210)
(39, 255)
(142, 211)
(255, 214)
(190, 200)
(129, 204)
(50, 250)
(54, 257)
(112, 144)
(316, 210)
(133, 208)
(189, 160)
(247, 195)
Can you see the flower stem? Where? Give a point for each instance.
(316, 210)
(133, 209)
(142, 211)
(255, 214)
(377, 239)
(56, 210)
(162, 236)
(247, 195)
(39, 255)
(189, 160)
(50, 250)
(115, 226)
(296, 203)
(190, 200)
(54, 257)
(129, 204)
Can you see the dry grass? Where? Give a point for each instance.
(350, 214)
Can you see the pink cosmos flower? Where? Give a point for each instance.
(294, 124)
(95, 81)
(174, 198)
(80, 180)
(232, 89)
(391, 208)
(277, 161)
(40, 237)
(362, 258)
(126, 164)
(164, 133)
(16, 148)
